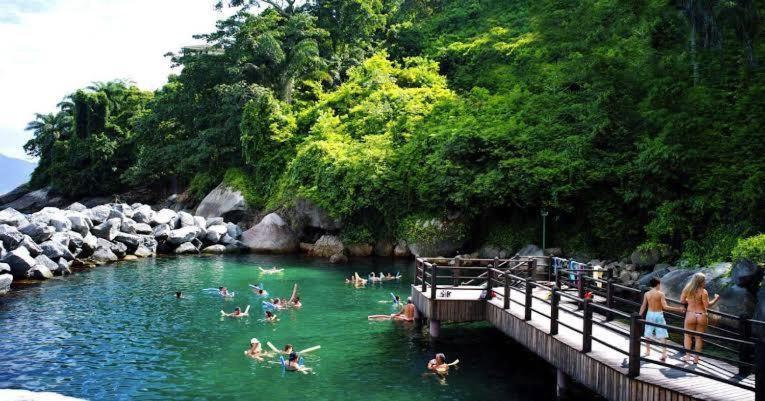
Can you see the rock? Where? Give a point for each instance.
(56, 250)
(124, 209)
(401, 250)
(643, 282)
(20, 262)
(307, 216)
(42, 260)
(161, 232)
(236, 247)
(226, 240)
(128, 226)
(326, 246)
(143, 252)
(360, 250)
(215, 249)
(39, 232)
(200, 222)
(186, 248)
(215, 233)
(490, 252)
(13, 217)
(16, 193)
(271, 235)
(130, 240)
(647, 257)
(197, 243)
(40, 272)
(384, 248)
(746, 274)
(77, 207)
(530, 250)
(10, 236)
(31, 246)
(235, 232)
(734, 300)
(150, 243)
(164, 216)
(130, 257)
(306, 247)
(185, 219)
(99, 214)
(215, 221)
(5, 282)
(338, 258)
(673, 282)
(34, 200)
(661, 267)
(80, 222)
(89, 244)
(557, 252)
(103, 255)
(143, 214)
(5, 268)
(181, 235)
(223, 201)
(108, 229)
(60, 222)
(143, 229)
(72, 239)
(117, 248)
(63, 268)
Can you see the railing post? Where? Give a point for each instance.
(424, 278)
(558, 274)
(610, 294)
(456, 272)
(634, 352)
(744, 350)
(759, 371)
(433, 282)
(554, 303)
(416, 272)
(529, 299)
(488, 282)
(579, 275)
(587, 327)
(507, 291)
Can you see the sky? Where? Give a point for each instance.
(49, 48)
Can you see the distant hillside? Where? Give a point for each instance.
(14, 172)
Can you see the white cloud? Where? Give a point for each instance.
(48, 53)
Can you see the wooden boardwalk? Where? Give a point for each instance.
(604, 369)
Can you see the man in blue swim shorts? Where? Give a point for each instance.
(656, 303)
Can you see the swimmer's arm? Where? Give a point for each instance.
(294, 293)
(645, 304)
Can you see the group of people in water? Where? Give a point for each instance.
(695, 306)
(359, 281)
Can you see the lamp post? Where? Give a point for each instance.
(543, 212)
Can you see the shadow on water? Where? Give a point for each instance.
(117, 332)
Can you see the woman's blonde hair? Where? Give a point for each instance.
(697, 282)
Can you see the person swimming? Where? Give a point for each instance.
(237, 312)
(407, 313)
(178, 295)
(438, 364)
(270, 317)
(224, 292)
(294, 300)
(255, 351)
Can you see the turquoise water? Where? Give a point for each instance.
(118, 333)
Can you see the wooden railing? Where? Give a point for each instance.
(578, 287)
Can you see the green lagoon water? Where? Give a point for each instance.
(118, 333)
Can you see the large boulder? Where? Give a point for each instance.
(5, 283)
(161, 232)
(215, 233)
(223, 201)
(271, 235)
(39, 232)
(89, 245)
(31, 246)
(488, 251)
(435, 237)
(645, 257)
(20, 262)
(128, 226)
(99, 214)
(10, 236)
(34, 200)
(214, 249)
(13, 217)
(530, 250)
(384, 248)
(117, 248)
(338, 258)
(60, 222)
(45, 261)
(55, 250)
(234, 231)
(40, 272)
(103, 255)
(79, 221)
(360, 250)
(16, 193)
(185, 219)
(143, 252)
(143, 214)
(132, 241)
(164, 216)
(108, 229)
(306, 217)
(64, 268)
(181, 235)
(215, 221)
(186, 248)
(77, 207)
(401, 250)
(746, 274)
(326, 246)
(734, 300)
(4, 268)
(143, 229)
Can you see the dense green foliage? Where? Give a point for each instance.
(752, 248)
(631, 122)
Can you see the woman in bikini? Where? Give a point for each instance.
(696, 318)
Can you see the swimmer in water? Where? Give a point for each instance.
(358, 281)
(255, 351)
(223, 291)
(237, 312)
(374, 278)
(438, 364)
(270, 317)
(293, 364)
(294, 299)
(407, 313)
(178, 295)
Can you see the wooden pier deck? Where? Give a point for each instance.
(605, 366)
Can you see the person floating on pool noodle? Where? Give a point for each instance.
(294, 364)
(237, 312)
(259, 290)
(407, 313)
(224, 292)
(270, 317)
(294, 300)
(375, 279)
(358, 280)
(272, 270)
(256, 350)
(439, 365)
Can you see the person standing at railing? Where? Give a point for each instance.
(696, 297)
(654, 305)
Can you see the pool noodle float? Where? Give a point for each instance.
(272, 347)
(395, 301)
(311, 349)
(269, 305)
